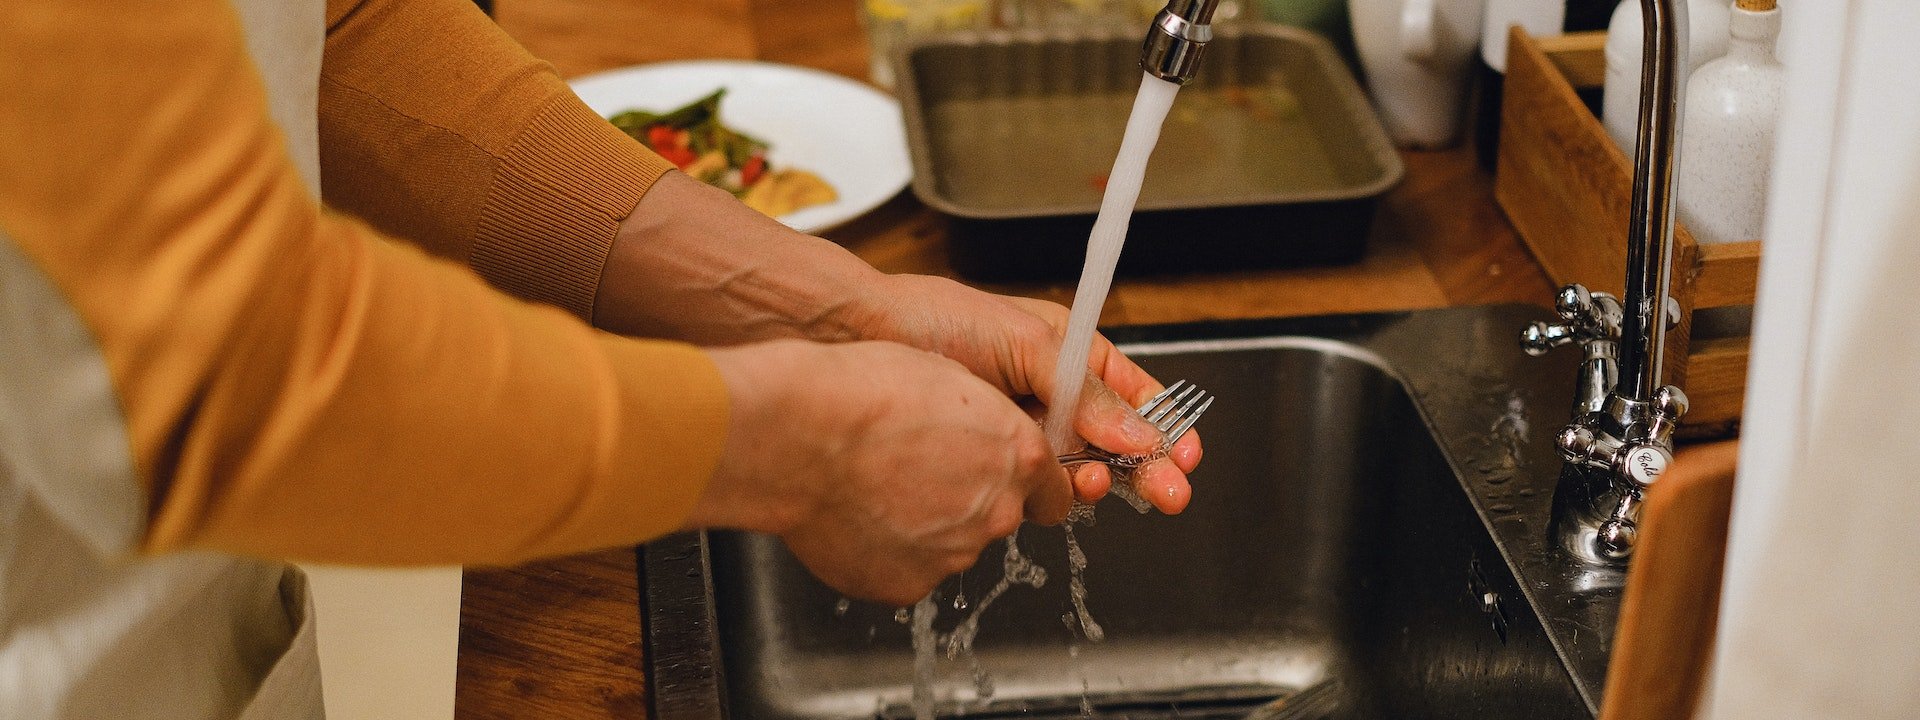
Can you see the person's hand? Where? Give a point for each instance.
(1013, 342)
(884, 468)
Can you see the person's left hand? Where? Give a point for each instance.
(1012, 342)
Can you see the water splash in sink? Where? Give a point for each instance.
(1509, 432)
(1077, 574)
(1016, 569)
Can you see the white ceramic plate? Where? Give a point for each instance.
(846, 132)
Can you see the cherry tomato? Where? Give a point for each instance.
(755, 167)
(680, 157)
(660, 137)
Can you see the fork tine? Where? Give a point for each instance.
(1155, 400)
(1170, 404)
(1187, 424)
(1174, 418)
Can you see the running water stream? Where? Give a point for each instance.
(923, 658)
(1103, 251)
(1150, 108)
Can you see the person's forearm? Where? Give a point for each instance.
(691, 263)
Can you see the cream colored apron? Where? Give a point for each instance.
(88, 629)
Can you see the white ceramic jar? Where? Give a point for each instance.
(1418, 56)
(1620, 100)
(1733, 106)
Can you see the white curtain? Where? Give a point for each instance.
(1820, 615)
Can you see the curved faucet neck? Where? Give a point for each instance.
(1650, 221)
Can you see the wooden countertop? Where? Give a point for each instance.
(562, 638)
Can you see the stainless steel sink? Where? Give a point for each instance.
(1366, 539)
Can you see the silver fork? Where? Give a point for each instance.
(1174, 414)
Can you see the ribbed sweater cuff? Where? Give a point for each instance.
(557, 199)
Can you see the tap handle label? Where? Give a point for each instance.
(1645, 463)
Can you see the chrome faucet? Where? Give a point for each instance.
(1621, 437)
(1180, 31)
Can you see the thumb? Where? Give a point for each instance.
(1106, 421)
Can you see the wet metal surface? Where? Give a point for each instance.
(1367, 539)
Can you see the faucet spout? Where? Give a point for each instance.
(1180, 32)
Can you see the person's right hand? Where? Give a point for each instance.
(884, 468)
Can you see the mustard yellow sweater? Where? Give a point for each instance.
(298, 383)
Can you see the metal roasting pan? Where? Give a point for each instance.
(1270, 158)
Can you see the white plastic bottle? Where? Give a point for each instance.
(1620, 101)
(1733, 104)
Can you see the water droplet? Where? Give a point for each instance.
(902, 616)
(840, 608)
(959, 602)
(1500, 479)
(1502, 508)
(1527, 492)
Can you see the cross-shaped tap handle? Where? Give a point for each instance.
(1586, 317)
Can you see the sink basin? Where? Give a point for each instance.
(1367, 538)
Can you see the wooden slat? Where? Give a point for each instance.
(1727, 274)
(1665, 633)
(1581, 57)
(1560, 180)
(1717, 381)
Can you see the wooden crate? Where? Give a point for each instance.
(1567, 189)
